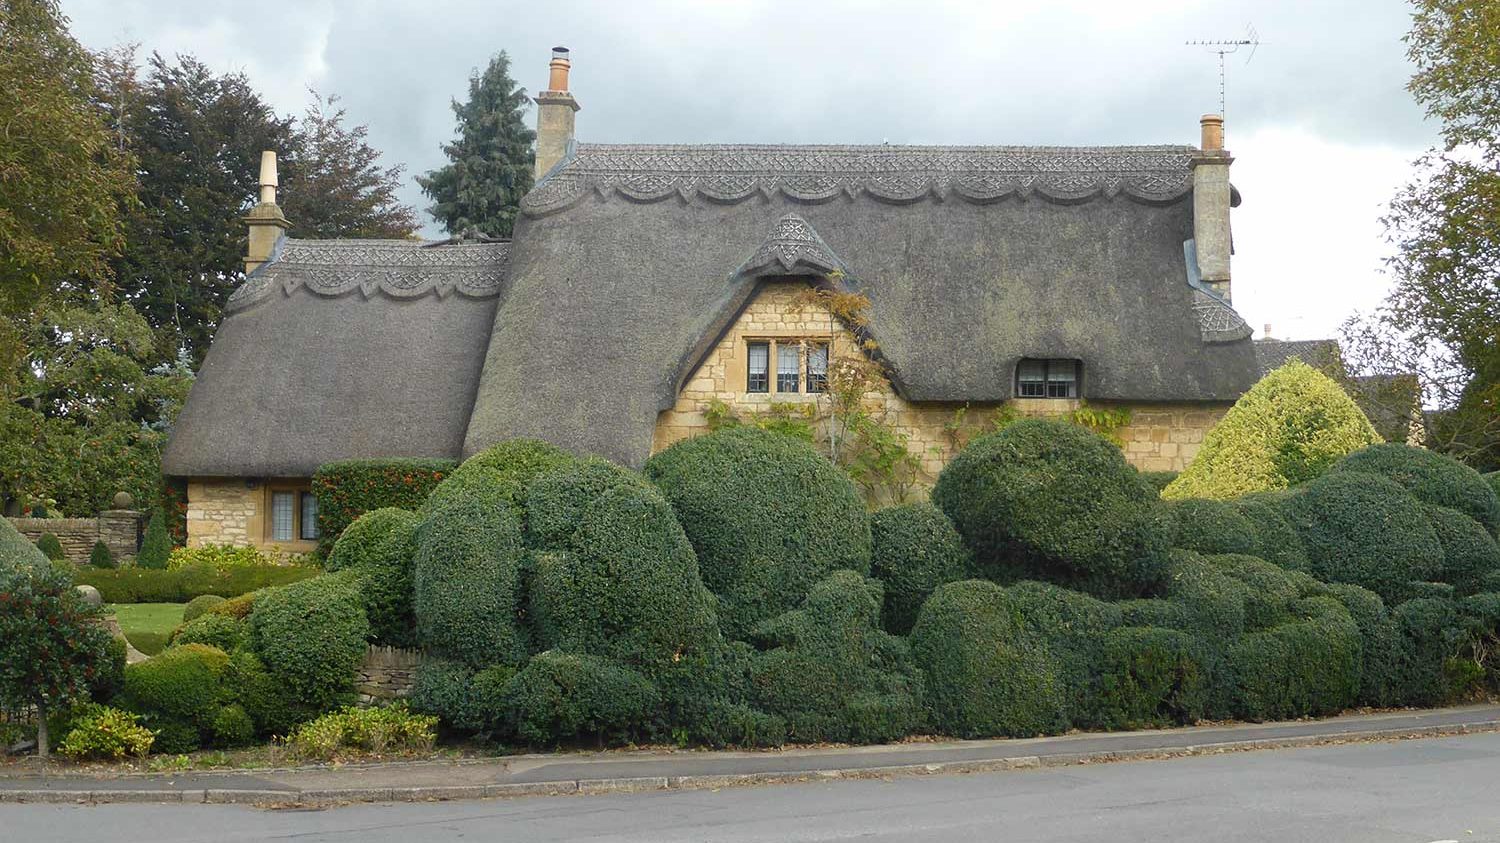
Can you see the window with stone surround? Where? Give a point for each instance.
(801, 365)
(291, 513)
(1047, 378)
(758, 379)
(307, 527)
(283, 516)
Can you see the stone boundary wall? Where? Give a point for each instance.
(119, 528)
(386, 674)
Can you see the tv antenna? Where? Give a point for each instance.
(1227, 47)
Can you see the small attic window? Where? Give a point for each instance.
(1048, 378)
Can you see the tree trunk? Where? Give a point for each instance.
(41, 731)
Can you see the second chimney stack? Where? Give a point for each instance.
(554, 114)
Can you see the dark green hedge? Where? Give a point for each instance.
(51, 547)
(220, 631)
(1470, 554)
(1432, 633)
(1073, 626)
(558, 498)
(1058, 500)
(349, 488)
(156, 544)
(1364, 529)
(561, 697)
(312, 637)
(914, 549)
(768, 516)
(379, 547)
(1306, 666)
(831, 673)
(1149, 678)
(467, 573)
(501, 473)
(1431, 478)
(1210, 526)
(987, 674)
(1158, 480)
(1276, 540)
(17, 551)
(177, 692)
(1382, 648)
(142, 585)
(200, 604)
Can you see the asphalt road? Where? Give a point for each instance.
(1419, 791)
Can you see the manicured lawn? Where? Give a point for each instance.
(146, 625)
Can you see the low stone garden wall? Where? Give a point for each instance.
(118, 528)
(386, 674)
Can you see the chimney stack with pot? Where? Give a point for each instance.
(554, 114)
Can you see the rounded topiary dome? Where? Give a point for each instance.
(1431, 478)
(915, 549)
(767, 515)
(1366, 530)
(1058, 498)
(1209, 526)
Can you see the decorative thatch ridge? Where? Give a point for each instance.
(401, 269)
(793, 248)
(729, 174)
(1218, 320)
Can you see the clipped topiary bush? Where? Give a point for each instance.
(181, 686)
(466, 576)
(200, 604)
(441, 688)
(1159, 480)
(831, 673)
(214, 630)
(263, 696)
(231, 726)
(1364, 529)
(1307, 666)
(1150, 677)
(1470, 554)
(50, 547)
(1211, 526)
(767, 515)
(156, 545)
(987, 674)
(914, 548)
(1432, 632)
(501, 473)
(1432, 479)
(558, 498)
(1057, 499)
(100, 556)
(560, 697)
(311, 636)
(1381, 644)
(1073, 626)
(1287, 429)
(1276, 541)
(379, 547)
(348, 489)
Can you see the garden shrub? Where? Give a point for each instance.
(1150, 677)
(232, 726)
(177, 692)
(1364, 529)
(106, 734)
(1433, 633)
(142, 585)
(311, 636)
(831, 672)
(1493, 478)
(156, 545)
(441, 688)
(1431, 478)
(1158, 480)
(1058, 499)
(263, 696)
(347, 489)
(100, 556)
(1418, 590)
(1307, 666)
(17, 553)
(220, 631)
(986, 674)
(1211, 526)
(352, 731)
(558, 697)
(1212, 603)
(109, 671)
(500, 474)
(767, 515)
(1169, 614)
(558, 498)
(1073, 627)
(1276, 541)
(1287, 429)
(739, 725)
(379, 547)
(1381, 644)
(914, 548)
(239, 607)
(1469, 552)
(50, 547)
(200, 604)
(1269, 591)
(219, 557)
(466, 577)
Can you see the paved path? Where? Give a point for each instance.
(1417, 791)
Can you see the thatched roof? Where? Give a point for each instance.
(630, 261)
(341, 349)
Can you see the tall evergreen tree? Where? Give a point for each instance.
(489, 161)
(337, 187)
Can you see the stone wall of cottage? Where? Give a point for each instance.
(118, 528)
(222, 512)
(386, 674)
(1159, 437)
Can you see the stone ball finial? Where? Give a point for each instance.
(90, 595)
(124, 500)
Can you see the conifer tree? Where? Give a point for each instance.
(489, 161)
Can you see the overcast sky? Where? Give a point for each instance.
(1320, 124)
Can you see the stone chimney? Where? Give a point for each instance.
(1211, 200)
(554, 115)
(265, 220)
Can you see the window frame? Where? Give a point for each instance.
(794, 377)
(817, 384)
(290, 495)
(751, 386)
(1070, 387)
(303, 527)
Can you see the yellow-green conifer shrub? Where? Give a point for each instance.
(1287, 429)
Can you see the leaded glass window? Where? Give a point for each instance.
(308, 527)
(817, 367)
(788, 366)
(1047, 379)
(283, 516)
(758, 378)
